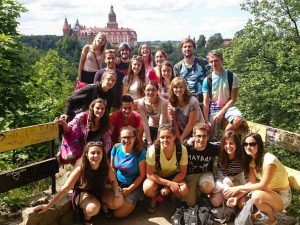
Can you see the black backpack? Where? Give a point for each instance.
(209, 83)
(178, 157)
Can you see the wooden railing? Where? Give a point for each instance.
(22, 137)
(26, 136)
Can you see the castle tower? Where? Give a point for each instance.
(112, 19)
(66, 28)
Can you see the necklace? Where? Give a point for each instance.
(151, 108)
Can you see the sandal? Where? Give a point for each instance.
(87, 222)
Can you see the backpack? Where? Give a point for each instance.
(201, 62)
(71, 149)
(209, 83)
(157, 157)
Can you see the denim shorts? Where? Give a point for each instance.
(136, 195)
(286, 197)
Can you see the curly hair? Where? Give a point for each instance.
(239, 154)
(91, 123)
(93, 179)
(141, 75)
(172, 97)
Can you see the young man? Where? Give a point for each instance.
(110, 60)
(201, 154)
(126, 117)
(220, 93)
(123, 62)
(192, 69)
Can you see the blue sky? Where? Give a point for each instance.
(151, 19)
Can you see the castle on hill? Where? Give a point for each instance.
(115, 35)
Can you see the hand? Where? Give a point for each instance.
(231, 191)
(165, 191)
(191, 141)
(218, 117)
(175, 187)
(40, 209)
(125, 191)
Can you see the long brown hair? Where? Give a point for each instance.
(172, 97)
(260, 150)
(141, 76)
(140, 51)
(239, 154)
(167, 64)
(93, 179)
(91, 123)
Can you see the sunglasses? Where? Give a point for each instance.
(251, 144)
(94, 143)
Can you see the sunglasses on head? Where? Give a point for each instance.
(251, 144)
(94, 143)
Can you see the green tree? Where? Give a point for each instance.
(12, 92)
(266, 56)
(69, 48)
(214, 42)
(49, 87)
(201, 48)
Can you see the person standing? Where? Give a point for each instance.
(123, 61)
(91, 59)
(192, 69)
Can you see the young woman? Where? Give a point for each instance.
(268, 180)
(230, 167)
(129, 163)
(145, 51)
(91, 59)
(89, 179)
(153, 110)
(159, 57)
(91, 125)
(167, 75)
(134, 82)
(186, 110)
(166, 166)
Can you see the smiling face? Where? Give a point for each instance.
(188, 50)
(108, 81)
(127, 138)
(127, 108)
(99, 110)
(166, 72)
(159, 58)
(100, 40)
(216, 63)
(136, 66)
(166, 138)
(229, 146)
(201, 138)
(125, 53)
(151, 91)
(179, 89)
(250, 146)
(145, 50)
(110, 60)
(94, 156)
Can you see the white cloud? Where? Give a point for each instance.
(152, 20)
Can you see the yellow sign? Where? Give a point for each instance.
(22, 137)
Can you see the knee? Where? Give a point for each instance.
(92, 209)
(206, 187)
(256, 197)
(124, 211)
(149, 188)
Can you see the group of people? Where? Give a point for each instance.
(146, 129)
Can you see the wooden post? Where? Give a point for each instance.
(53, 180)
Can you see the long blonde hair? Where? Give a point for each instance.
(94, 44)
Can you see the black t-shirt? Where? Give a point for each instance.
(202, 161)
(123, 67)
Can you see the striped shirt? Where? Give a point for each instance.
(234, 168)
